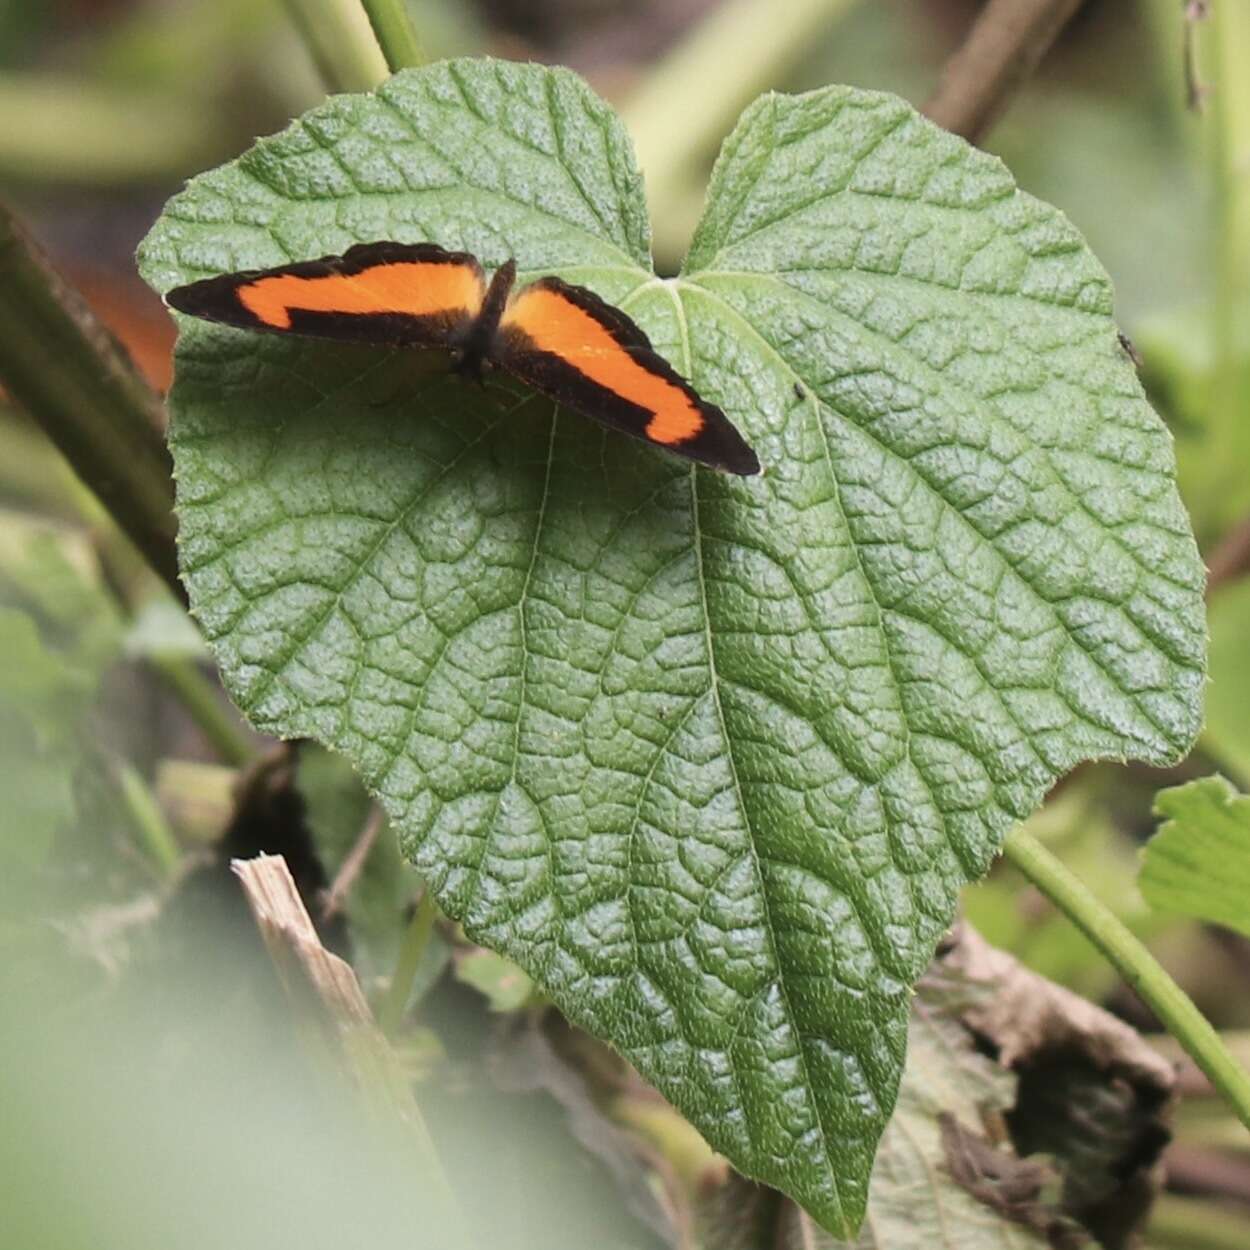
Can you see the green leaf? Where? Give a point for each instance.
(1198, 864)
(709, 758)
(916, 1199)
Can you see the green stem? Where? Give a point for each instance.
(1230, 123)
(391, 1009)
(339, 40)
(395, 34)
(64, 368)
(1137, 966)
(200, 699)
(692, 98)
(154, 831)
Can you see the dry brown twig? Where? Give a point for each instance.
(339, 1026)
(295, 948)
(352, 863)
(1002, 49)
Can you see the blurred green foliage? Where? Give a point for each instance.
(152, 1089)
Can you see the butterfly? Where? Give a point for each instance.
(560, 339)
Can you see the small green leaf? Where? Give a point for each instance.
(710, 759)
(1198, 864)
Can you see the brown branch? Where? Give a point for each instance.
(70, 375)
(302, 962)
(1003, 48)
(354, 861)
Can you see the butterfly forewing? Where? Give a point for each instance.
(400, 294)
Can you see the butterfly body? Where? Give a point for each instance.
(473, 352)
(561, 339)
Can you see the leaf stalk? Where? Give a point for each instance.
(1139, 968)
(391, 1009)
(201, 700)
(395, 34)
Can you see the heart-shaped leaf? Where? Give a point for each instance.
(709, 758)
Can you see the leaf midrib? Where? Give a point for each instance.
(670, 289)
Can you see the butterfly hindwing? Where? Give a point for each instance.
(399, 294)
(571, 345)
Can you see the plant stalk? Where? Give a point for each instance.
(339, 40)
(1190, 1224)
(1137, 966)
(394, 32)
(73, 379)
(691, 99)
(200, 699)
(1230, 141)
(391, 1008)
(1006, 42)
(149, 820)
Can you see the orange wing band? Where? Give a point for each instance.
(555, 324)
(413, 289)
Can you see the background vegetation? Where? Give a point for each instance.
(163, 1090)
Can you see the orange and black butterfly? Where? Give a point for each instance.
(563, 340)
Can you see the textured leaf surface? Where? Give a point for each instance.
(1198, 864)
(710, 759)
(915, 1201)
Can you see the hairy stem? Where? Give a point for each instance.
(78, 385)
(1003, 48)
(1137, 966)
(395, 34)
